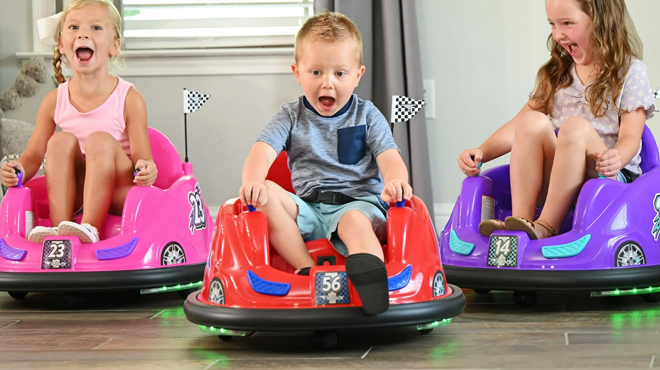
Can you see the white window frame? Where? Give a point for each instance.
(211, 23)
(174, 62)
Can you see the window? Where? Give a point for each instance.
(187, 24)
(166, 50)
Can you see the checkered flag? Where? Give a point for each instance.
(657, 94)
(404, 108)
(192, 100)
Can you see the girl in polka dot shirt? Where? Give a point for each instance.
(585, 117)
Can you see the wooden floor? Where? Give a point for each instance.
(563, 331)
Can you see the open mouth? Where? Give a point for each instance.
(327, 102)
(573, 49)
(84, 54)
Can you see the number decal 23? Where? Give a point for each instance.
(57, 251)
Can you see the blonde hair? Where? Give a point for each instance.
(614, 42)
(329, 26)
(115, 19)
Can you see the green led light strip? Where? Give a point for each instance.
(172, 288)
(222, 331)
(435, 324)
(633, 291)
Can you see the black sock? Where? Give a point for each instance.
(369, 277)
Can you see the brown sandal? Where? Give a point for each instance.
(521, 224)
(487, 227)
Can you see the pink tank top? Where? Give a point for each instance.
(108, 117)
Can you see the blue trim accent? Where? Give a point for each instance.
(458, 246)
(9, 253)
(400, 280)
(566, 250)
(117, 252)
(267, 287)
(343, 110)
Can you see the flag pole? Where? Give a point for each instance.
(192, 100)
(392, 114)
(185, 124)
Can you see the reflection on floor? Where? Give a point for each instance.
(126, 331)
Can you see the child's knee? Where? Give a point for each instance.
(61, 142)
(99, 142)
(533, 123)
(575, 128)
(272, 187)
(354, 222)
(355, 216)
(277, 196)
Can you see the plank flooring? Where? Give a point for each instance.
(124, 331)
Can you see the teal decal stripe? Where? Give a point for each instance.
(566, 250)
(459, 246)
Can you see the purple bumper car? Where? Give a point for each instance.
(608, 244)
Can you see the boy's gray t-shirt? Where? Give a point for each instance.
(331, 153)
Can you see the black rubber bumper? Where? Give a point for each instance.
(305, 319)
(100, 281)
(533, 280)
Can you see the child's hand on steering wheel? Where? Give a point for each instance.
(145, 172)
(469, 161)
(608, 164)
(8, 173)
(396, 190)
(254, 194)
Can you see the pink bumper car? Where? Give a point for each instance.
(159, 243)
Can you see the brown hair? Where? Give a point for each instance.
(329, 26)
(115, 19)
(614, 42)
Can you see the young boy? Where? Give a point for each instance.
(336, 143)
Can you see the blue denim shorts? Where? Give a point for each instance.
(319, 220)
(625, 176)
(620, 177)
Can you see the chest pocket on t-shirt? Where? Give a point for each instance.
(350, 144)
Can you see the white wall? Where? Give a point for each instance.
(483, 56)
(15, 36)
(221, 133)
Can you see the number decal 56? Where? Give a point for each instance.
(331, 283)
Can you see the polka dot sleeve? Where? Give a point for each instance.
(637, 90)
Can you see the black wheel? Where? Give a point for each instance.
(651, 297)
(226, 338)
(629, 254)
(481, 291)
(524, 299)
(72, 300)
(438, 284)
(185, 293)
(426, 331)
(18, 295)
(326, 339)
(173, 254)
(216, 292)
